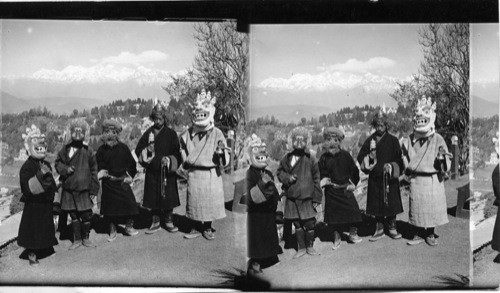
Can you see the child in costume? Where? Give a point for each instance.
(428, 159)
(116, 170)
(298, 172)
(262, 198)
(77, 167)
(158, 152)
(339, 176)
(203, 150)
(36, 230)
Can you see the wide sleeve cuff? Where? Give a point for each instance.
(35, 186)
(174, 164)
(396, 171)
(256, 195)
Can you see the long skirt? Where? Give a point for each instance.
(299, 209)
(118, 199)
(427, 202)
(36, 230)
(205, 196)
(263, 239)
(341, 207)
(375, 205)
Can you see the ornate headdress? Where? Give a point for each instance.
(34, 142)
(424, 117)
(78, 123)
(299, 131)
(204, 109)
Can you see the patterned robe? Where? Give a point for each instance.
(427, 198)
(205, 192)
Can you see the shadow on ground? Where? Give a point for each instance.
(239, 280)
(456, 282)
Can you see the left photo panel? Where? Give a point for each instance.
(120, 153)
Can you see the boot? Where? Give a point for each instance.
(112, 232)
(129, 228)
(310, 242)
(393, 232)
(417, 239)
(301, 245)
(379, 232)
(287, 234)
(253, 268)
(33, 259)
(169, 222)
(353, 235)
(155, 225)
(336, 240)
(77, 235)
(86, 235)
(430, 237)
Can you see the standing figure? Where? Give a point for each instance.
(298, 172)
(77, 167)
(495, 179)
(381, 158)
(36, 230)
(428, 160)
(339, 177)
(203, 150)
(262, 200)
(116, 167)
(158, 151)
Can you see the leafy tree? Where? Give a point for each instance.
(444, 76)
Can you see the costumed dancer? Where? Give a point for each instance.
(262, 199)
(204, 152)
(381, 158)
(36, 230)
(116, 168)
(77, 167)
(495, 178)
(428, 160)
(339, 177)
(298, 172)
(158, 152)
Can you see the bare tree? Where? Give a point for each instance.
(444, 76)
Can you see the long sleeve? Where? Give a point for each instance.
(354, 176)
(131, 164)
(60, 165)
(317, 193)
(141, 145)
(283, 175)
(94, 185)
(175, 157)
(363, 152)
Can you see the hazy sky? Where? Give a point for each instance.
(485, 64)
(30, 46)
(284, 50)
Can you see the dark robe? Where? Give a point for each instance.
(262, 234)
(78, 186)
(340, 204)
(117, 196)
(388, 151)
(166, 145)
(301, 194)
(495, 178)
(36, 230)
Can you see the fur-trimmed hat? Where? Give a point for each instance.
(111, 124)
(333, 131)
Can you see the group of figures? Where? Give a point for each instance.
(421, 161)
(198, 154)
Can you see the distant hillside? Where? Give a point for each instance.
(483, 108)
(289, 113)
(56, 105)
(11, 104)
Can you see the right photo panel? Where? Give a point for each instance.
(484, 177)
(366, 133)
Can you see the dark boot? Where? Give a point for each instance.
(393, 232)
(86, 235)
(287, 234)
(155, 225)
(301, 245)
(379, 232)
(112, 232)
(310, 242)
(353, 235)
(169, 222)
(418, 236)
(129, 228)
(77, 235)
